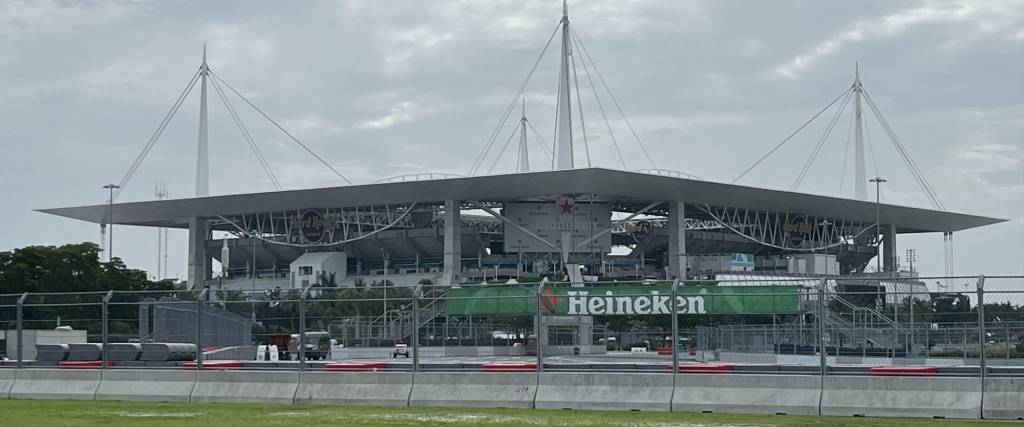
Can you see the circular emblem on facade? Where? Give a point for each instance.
(797, 230)
(640, 230)
(313, 226)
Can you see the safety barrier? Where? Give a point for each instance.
(64, 384)
(146, 385)
(355, 388)
(476, 389)
(245, 386)
(749, 394)
(890, 396)
(7, 377)
(1004, 398)
(613, 391)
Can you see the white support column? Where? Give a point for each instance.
(198, 259)
(563, 144)
(860, 179)
(452, 242)
(889, 248)
(677, 240)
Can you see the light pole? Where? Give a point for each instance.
(110, 220)
(384, 255)
(878, 229)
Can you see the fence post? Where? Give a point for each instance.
(19, 319)
(416, 293)
(823, 359)
(539, 328)
(675, 330)
(302, 327)
(104, 357)
(199, 328)
(981, 328)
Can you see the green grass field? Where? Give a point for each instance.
(37, 413)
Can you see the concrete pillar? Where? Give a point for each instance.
(889, 248)
(452, 242)
(676, 240)
(198, 259)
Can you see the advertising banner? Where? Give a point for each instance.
(620, 300)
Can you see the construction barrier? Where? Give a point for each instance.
(1004, 398)
(245, 386)
(7, 377)
(913, 396)
(63, 384)
(612, 391)
(146, 385)
(474, 389)
(748, 394)
(355, 388)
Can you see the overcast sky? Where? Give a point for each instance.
(382, 88)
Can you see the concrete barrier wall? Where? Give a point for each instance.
(613, 391)
(355, 388)
(748, 394)
(65, 384)
(1004, 399)
(146, 385)
(475, 389)
(7, 377)
(245, 386)
(922, 397)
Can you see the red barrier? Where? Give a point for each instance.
(704, 368)
(354, 367)
(665, 351)
(904, 371)
(92, 364)
(214, 364)
(509, 367)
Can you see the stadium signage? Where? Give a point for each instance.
(313, 225)
(797, 230)
(622, 300)
(582, 303)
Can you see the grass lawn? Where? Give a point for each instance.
(37, 413)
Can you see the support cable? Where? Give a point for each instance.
(846, 154)
(245, 134)
(547, 148)
(501, 153)
(791, 135)
(612, 96)
(279, 127)
(156, 135)
(821, 142)
(600, 106)
(511, 106)
(579, 103)
(911, 165)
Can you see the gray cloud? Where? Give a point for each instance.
(386, 88)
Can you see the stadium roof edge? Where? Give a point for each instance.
(616, 185)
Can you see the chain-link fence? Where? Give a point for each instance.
(814, 323)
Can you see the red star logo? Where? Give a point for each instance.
(566, 207)
(549, 302)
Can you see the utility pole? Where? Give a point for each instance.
(110, 220)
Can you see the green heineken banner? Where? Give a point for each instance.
(615, 300)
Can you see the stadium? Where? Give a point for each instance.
(545, 288)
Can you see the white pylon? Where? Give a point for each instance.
(203, 154)
(860, 176)
(563, 154)
(524, 154)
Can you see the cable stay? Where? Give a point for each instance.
(279, 127)
(156, 135)
(821, 141)
(902, 150)
(791, 135)
(600, 107)
(245, 134)
(846, 156)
